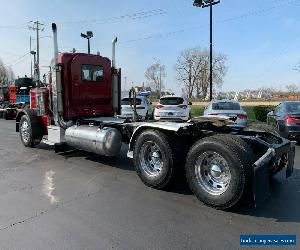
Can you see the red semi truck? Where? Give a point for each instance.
(81, 108)
(15, 97)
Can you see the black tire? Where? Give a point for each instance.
(265, 128)
(34, 132)
(249, 158)
(233, 151)
(269, 129)
(159, 179)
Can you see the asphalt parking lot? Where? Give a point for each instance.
(77, 200)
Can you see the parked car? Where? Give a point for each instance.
(286, 118)
(144, 107)
(227, 108)
(173, 108)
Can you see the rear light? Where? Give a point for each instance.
(242, 116)
(159, 106)
(183, 106)
(290, 119)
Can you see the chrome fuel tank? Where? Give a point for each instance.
(106, 141)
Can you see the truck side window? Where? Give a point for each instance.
(92, 73)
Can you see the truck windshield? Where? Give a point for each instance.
(171, 101)
(24, 82)
(126, 101)
(226, 106)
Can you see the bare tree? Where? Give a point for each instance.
(267, 89)
(292, 89)
(219, 72)
(187, 69)
(3, 71)
(10, 74)
(155, 74)
(192, 71)
(6, 73)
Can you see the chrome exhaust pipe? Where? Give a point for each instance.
(57, 84)
(116, 81)
(113, 63)
(55, 43)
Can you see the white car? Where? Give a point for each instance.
(227, 108)
(144, 108)
(172, 108)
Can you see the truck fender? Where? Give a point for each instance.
(164, 127)
(135, 134)
(31, 113)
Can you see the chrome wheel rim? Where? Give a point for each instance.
(151, 159)
(25, 131)
(212, 173)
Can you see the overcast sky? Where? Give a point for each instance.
(260, 38)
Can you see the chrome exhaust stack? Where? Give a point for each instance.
(116, 82)
(57, 85)
(55, 43)
(113, 62)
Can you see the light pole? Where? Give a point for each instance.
(37, 26)
(88, 36)
(205, 4)
(31, 59)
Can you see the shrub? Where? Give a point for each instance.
(197, 111)
(261, 112)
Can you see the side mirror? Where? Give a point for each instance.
(190, 103)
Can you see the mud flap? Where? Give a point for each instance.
(290, 165)
(261, 184)
(261, 180)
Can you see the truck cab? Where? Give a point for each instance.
(86, 85)
(80, 86)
